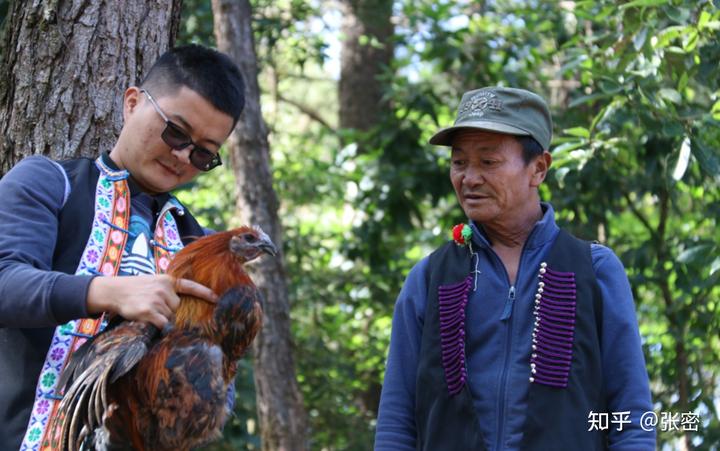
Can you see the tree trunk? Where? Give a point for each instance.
(283, 422)
(367, 51)
(64, 66)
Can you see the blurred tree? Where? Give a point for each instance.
(367, 49)
(365, 68)
(279, 401)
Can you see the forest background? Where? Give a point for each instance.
(352, 89)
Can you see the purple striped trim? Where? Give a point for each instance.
(554, 329)
(452, 300)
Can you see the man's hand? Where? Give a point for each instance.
(152, 299)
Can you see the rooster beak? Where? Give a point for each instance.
(266, 245)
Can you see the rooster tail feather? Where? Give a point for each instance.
(75, 418)
(77, 364)
(61, 423)
(83, 408)
(132, 354)
(90, 411)
(100, 398)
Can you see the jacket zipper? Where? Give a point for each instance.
(507, 315)
(508, 304)
(503, 376)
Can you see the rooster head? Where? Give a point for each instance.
(248, 243)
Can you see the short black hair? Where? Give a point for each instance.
(531, 148)
(210, 73)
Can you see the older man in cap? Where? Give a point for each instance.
(515, 335)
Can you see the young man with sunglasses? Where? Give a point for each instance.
(68, 228)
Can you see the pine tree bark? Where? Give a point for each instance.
(366, 53)
(283, 421)
(64, 66)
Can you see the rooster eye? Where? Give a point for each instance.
(250, 238)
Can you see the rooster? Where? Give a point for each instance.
(134, 386)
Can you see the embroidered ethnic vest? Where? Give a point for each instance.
(564, 368)
(106, 193)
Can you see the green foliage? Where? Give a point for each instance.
(4, 7)
(635, 94)
(646, 171)
(196, 25)
(282, 28)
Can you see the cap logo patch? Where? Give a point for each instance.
(477, 105)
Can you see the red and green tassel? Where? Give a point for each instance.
(461, 234)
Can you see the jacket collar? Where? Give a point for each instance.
(543, 231)
(159, 199)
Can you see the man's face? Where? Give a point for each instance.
(140, 149)
(490, 177)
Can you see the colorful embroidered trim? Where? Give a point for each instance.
(452, 300)
(554, 330)
(461, 234)
(166, 240)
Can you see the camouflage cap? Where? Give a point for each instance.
(503, 110)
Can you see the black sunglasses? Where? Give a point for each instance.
(177, 139)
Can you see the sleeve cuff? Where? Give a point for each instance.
(68, 298)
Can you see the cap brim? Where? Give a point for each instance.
(444, 137)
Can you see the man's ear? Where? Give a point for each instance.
(131, 100)
(540, 166)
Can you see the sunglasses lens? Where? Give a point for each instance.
(203, 159)
(175, 138)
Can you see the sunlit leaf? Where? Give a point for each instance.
(639, 38)
(694, 254)
(690, 40)
(568, 146)
(586, 99)
(715, 266)
(668, 35)
(716, 110)
(671, 95)
(636, 3)
(683, 159)
(581, 132)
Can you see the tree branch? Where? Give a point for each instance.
(678, 322)
(638, 214)
(309, 112)
(305, 77)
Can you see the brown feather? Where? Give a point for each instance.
(201, 261)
